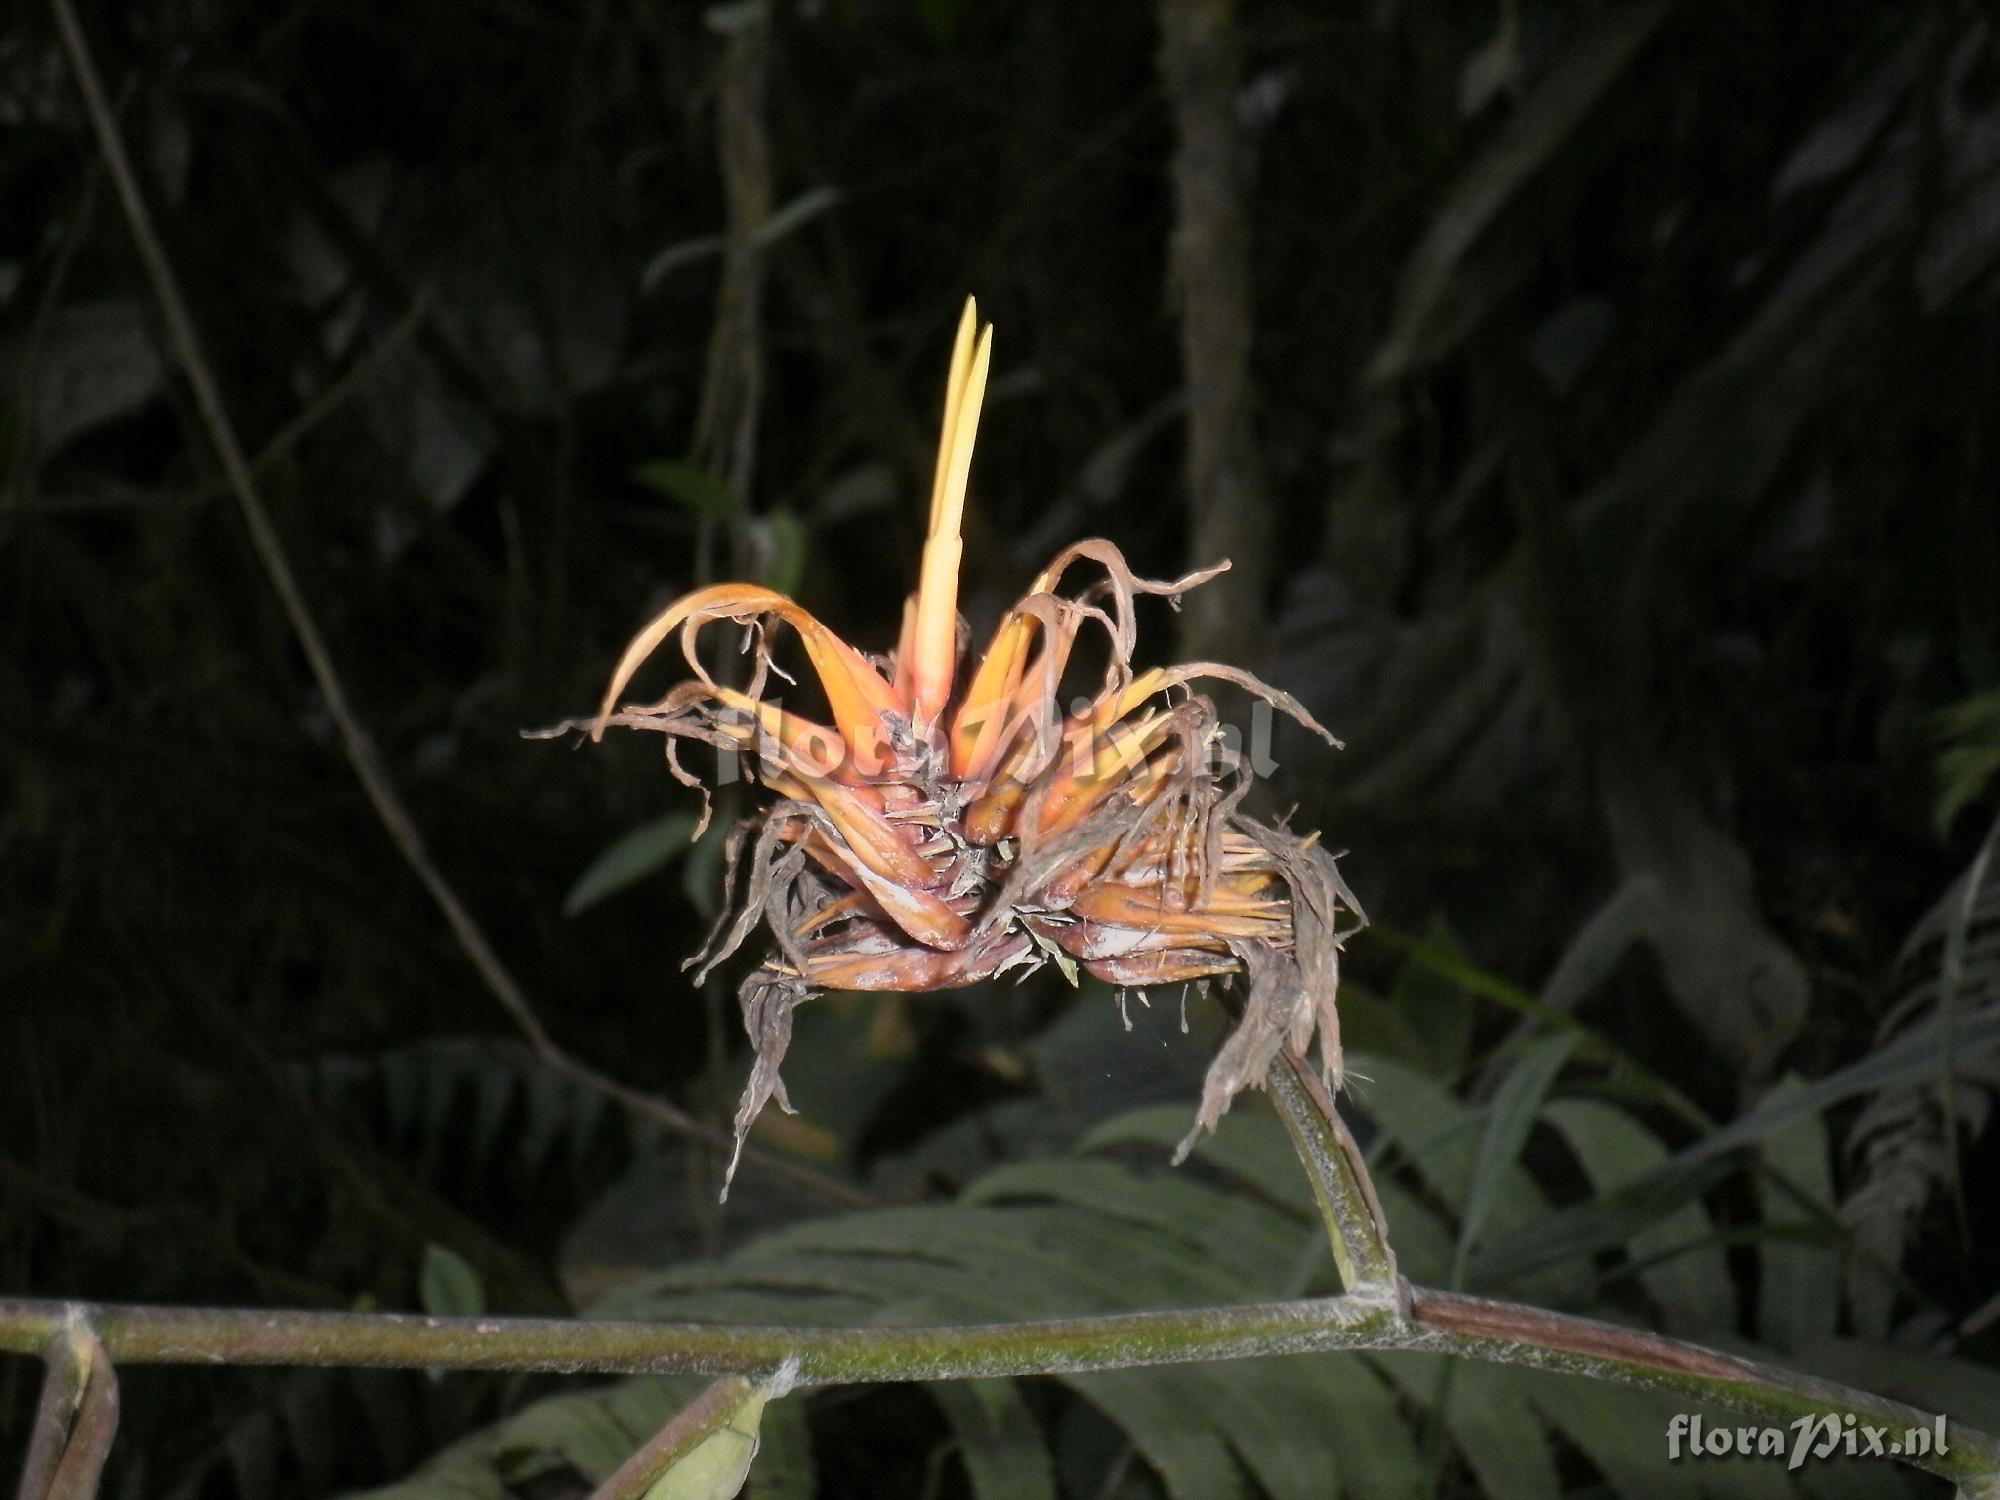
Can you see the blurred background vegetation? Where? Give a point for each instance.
(1597, 401)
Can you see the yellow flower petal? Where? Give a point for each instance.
(934, 651)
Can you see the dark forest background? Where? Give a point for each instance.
(1598, 403)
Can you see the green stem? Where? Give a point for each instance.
(175, 1335)
(1439, 1323)
(1508, 1333)
(690, 1427)
(76, 1418)
(1333, 1163)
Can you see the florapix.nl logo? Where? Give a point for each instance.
(1816, 1435)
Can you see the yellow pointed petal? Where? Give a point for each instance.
(934, 652)
(980, 727)
(954, 393)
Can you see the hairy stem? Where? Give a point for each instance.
(1340, 1180)
(76, 1418)
(178, 1335)
(1438, 1323)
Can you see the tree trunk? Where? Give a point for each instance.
(1209, 286)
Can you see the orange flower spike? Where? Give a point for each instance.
(934, 649)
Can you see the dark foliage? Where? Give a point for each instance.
(1624, 380)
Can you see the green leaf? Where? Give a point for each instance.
(580, 1430)
(1185, 1450)
(630, 858)
(1433, 991)
(1002, 1447)
(1075, 1247)
(1435, 298)
(803, 209)
(700, 490)
(808, 206)
(1365, 1435)
(1494, 1424)
(784, 541)
(1434, 1132)
(1799, 1296)
(1489, 1417)
(1516, 1105)
(448, 1286)
(487, 1104)
(784, 1468)
(1424, 1242)
(589, 1432)
(1966, 1392)
(1592, 1043)
(1252, 1242)
(1970, 760)
(1673, 1242)
(715, 1468)
(1621, 1432)
(1572, 1235)
(1440, 1136)
(1251, 1147)
(1916, 1056)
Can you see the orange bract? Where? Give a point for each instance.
(935, 835)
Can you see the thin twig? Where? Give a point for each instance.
(345, 384)
(329, 400)
(359, 744)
